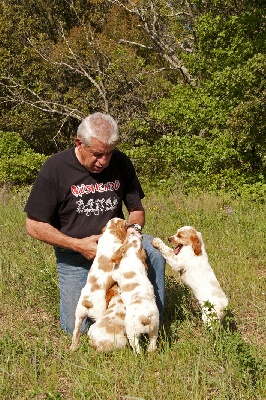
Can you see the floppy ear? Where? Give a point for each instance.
(117, 256)
(196, 244)
(113, 291)
(121, 231)
(143, 257)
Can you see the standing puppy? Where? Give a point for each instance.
(92, 301)
(190, 259)
(130, 272)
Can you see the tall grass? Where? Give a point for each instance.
(190, 362)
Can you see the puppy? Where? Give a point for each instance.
(190, 259)
(108, 332)
(137, 293)
(92, 301)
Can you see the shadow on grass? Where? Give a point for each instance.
(181, 305)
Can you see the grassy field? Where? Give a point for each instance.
(190, 363)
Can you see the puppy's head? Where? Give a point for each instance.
(134, 241)
(187, 236)
(117, 227)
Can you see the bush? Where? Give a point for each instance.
(19, 164)
(195, 163)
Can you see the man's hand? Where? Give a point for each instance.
(88, 246)
(131, 230)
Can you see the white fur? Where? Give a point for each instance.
(92, 301)
(108, 332)
(195, 271)
(130, 272)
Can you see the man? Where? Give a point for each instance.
(77, 191)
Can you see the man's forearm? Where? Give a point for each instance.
(47, 233)
(137, 216)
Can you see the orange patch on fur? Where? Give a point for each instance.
(119, 254)
(129, 275)
(113, 291)
(129, 287)
(95, 286)
(143, 257)
(119, 229)
(145, 320)
(196, 245)
(105, 264)
(87, 303)
(92, 279)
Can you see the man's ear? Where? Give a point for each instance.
(78, 142)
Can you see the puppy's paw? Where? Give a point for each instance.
(156, 242)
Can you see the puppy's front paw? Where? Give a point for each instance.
(156, 242)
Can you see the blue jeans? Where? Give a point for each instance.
(73, 270)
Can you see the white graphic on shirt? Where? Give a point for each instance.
(96, 207)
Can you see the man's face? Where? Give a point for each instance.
(95, 157)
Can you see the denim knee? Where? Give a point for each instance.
(156, 271)
(73, 271)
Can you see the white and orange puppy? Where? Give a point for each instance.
(92, 301)
(108, 332)
(190, 259)
(130, 272)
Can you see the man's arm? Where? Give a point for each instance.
(137, 216)
(47, 233)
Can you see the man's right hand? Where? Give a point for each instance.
(88, 246)
(47, 233)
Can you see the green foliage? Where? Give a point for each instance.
(67, 59)
(195, 164)
(19, 164)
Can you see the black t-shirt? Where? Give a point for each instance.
(77, 202)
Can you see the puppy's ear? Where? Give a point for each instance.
(113, 291)
(196, 244)
(121, 231)
(143, 257)
(117, 256)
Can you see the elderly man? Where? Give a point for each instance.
(77, 191)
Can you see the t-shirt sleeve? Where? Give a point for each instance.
(133, 193)
(42, 200)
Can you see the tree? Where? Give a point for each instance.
(69, 58)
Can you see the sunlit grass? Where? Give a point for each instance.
(190, 363)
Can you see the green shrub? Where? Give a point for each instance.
(19, 164)
(195, 163)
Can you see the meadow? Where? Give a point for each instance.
(190, 362)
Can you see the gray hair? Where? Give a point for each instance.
(100, 126)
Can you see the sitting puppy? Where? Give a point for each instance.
(92, 301)
(191, 260)
(130, 272)
(108, 332)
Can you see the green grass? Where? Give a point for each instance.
(190, 362)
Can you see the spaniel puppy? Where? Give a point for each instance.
(108, 332)
(190, 259)
(92, 301)
(130, 272)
